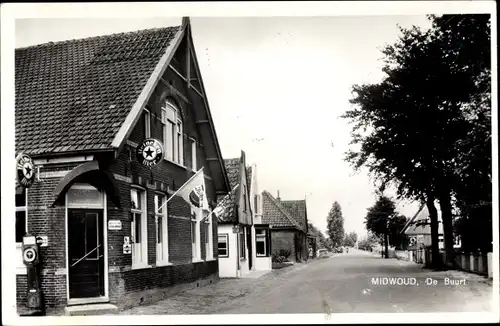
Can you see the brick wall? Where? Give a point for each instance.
(283, 239)
(137, 287)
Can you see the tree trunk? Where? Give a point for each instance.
(386, 240)
(447, 217)
(436, 258)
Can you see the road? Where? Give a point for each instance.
(343, 283)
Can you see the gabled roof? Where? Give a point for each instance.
(274, 214)
(76, 95)
(233, 171)
(297, 209)
(227, 212)
(419, 223)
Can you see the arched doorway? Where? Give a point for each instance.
(86, 244)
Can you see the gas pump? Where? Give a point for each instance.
(31, 258)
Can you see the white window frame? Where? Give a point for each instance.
(20, 267)
(173, 136)
(195, 245)
(162, 254)
(209, 249)
(226, 240)
(140, 249)
(257, 239)
(194, 160)
(147, 123)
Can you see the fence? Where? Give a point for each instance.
(478, 263)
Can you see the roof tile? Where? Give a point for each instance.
(71, 88)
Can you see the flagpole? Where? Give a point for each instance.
(175, 193)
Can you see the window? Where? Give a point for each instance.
(21, 213)
(147, 124)
(242, 245)
(223, 245)
(139, 228)
(161, 218)
(172, 134)
(193, 155)
(195, 235)
(261, 243)
(209, 252)
(256, 204)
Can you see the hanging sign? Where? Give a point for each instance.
(25, 170)
(150, 152)
(114, 225)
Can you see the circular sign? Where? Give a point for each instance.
(25, 170)
(150, 152)
(29, 255)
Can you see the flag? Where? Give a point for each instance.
(193, 192)
(221, 205)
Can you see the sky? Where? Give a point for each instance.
(276, 87)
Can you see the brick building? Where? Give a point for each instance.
(82, 108)
(288, 223)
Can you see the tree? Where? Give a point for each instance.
(350, 239)
(320, 238)
(335, 225)
(378, 217)
(412, 127)
(396, 239)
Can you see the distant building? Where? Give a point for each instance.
(418, 229)
(288, 223)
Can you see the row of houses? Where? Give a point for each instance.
(82, 107)
(252, 225)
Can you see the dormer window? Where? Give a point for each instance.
(172, 133)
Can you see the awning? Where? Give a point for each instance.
(88, 173)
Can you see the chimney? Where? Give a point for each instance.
(278, 198)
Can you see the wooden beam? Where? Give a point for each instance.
(174, 90)
(212, 159)
(177, 73)
(201, 121)
(188, 58)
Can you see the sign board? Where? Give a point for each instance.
(413, 241)
(42, 240)
(149, 152)
(236, 229)
(126, 240)
(114, 225)
(25, 170)
(420, 238)
(127, 248)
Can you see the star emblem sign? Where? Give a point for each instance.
(149, 153)
(28, 170)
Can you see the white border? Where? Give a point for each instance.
(11, 11)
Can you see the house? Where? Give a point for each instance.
(418, 229)
(82, 108)
(288, 223)
(234, 218)
(261, 232)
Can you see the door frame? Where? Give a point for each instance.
(104, 298)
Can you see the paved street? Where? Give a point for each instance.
(342, 283)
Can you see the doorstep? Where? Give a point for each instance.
(91, 309)
(255, 274)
